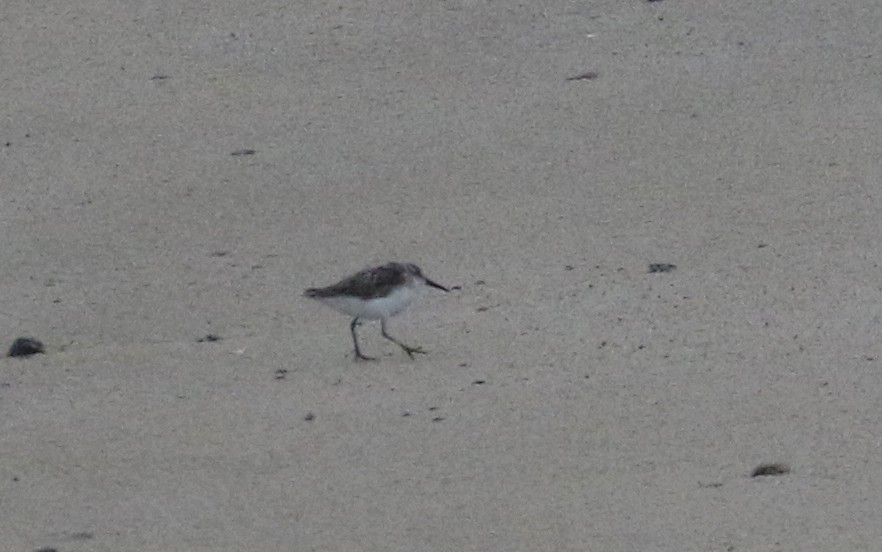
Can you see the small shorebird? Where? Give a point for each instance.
(375, 294)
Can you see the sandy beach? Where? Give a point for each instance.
(173, 172)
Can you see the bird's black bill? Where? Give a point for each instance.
(436, 285)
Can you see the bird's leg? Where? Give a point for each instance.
(407, 349)
(358, 354)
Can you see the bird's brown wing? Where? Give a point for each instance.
(370, 282)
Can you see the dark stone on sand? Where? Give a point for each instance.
(770, 469)
(588, 75)
(26, 346)
(656, 268)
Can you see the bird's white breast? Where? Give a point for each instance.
(376, 308)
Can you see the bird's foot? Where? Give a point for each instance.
(413, 350)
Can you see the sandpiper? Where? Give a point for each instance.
(375, 294)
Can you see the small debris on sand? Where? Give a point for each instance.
(656, 268)
(26, 346)
(770, 469)
(590, 75)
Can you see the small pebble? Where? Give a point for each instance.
(589, 75)
(770, 469)
(26, 346)
(655, 268)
